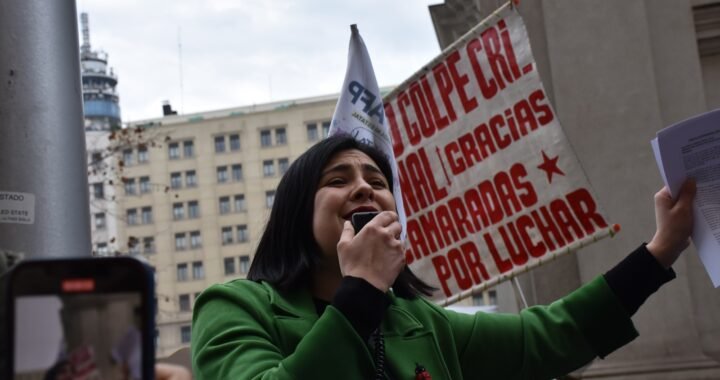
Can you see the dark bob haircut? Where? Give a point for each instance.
(288, 253)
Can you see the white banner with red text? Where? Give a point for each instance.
(490, 184)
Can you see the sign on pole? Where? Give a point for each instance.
(490, 185)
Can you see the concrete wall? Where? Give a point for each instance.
(617, 71)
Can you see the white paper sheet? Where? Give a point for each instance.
(691, 148)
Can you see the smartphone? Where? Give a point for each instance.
(85, 318)
(360, 219)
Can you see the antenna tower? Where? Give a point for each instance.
(85, 48)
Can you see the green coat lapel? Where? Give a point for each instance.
(294, 314)
(409, 343)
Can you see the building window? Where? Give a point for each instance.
(149, 244)
(182, 272)
(145, 185)
(222, 174)
(237, 172)
(178, 211)
(268, 168)
(229, 265)
(312, 133)
(174, 151)
(96, 160)
(486, 298)
(269, 198)
(180, 242)
(143, 156)
(219, 144)
(492, 297)
(325, 128)
(102, 249)
(129, 186)
(193, 210)
(195, 240)
(244, 264)
(133, 243)
(133, 246)
(185, 334)
(132, 217)
(265, 139)
(227, 235)
(234, 142)
(283, 165)
(224, 205)
(190, 178)
(280, 136)
(239, 201)
(198, 271)
(98, 190)
(188, 149)
(176, 180)
(184, 302)
(100, 222)
(128, 157)
(242, 233)
(147, 215)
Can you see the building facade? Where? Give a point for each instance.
(195, 201)
(102, 168)
(617, 72)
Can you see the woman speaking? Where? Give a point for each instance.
(323, 301)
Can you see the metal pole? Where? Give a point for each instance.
(44, 208)
(519, 291)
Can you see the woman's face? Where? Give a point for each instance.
(350, 182)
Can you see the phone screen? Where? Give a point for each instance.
(79, 327)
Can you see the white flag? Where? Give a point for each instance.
(359, 112)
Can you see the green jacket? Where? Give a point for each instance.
(248, 330)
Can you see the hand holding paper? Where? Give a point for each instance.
(674, 220)
(691, 149)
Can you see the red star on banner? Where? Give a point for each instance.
(549, 165)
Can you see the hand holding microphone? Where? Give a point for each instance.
(371, 249)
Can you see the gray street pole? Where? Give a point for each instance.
(44, 208)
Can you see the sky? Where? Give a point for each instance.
(206, 55)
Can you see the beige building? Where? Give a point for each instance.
(195, 203)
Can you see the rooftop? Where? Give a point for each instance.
(235, 111)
